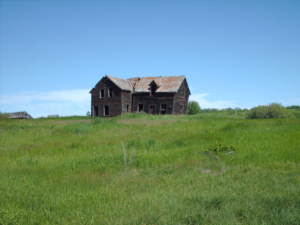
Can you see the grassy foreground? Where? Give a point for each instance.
(138, 169)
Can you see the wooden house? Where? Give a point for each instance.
(19, 115)
(113, 96)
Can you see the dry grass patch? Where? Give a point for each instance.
(67, 122)
(146, 122)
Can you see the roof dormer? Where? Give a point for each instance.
(153, 86)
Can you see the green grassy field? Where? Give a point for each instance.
(210, 169)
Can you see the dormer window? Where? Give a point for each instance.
(110, 92)
(101, 93)
(153, 87)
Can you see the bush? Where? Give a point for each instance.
(3, 115)
(273, 110)
(193, 107)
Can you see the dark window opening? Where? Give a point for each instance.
(106, 110)
(127, 108)
(152, 109)
(96, 112)
(110, 93)
(163, 108)
(101, 93)
(141, 108)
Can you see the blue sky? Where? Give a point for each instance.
(234, 53)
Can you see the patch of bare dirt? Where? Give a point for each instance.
(213, 172)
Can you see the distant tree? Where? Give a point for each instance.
(53, 116)
(88, 113)
(209, 110)
(293, 107)
(193, 107)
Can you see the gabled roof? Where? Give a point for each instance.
(121, 83)
(142, 84)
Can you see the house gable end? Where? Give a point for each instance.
(181, 98)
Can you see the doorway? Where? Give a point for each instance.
(106, 110)
(141, 108)
(152, 109)
(163, 109)
(96, 112)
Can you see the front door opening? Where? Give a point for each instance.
(141, 108)
(163, 108)
(96, 112)
(152, 109)
(106, 110)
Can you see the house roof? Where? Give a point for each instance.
(142, 84)
(121, 83)
(165, 83)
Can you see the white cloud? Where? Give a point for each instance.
(65, 102)
(204, 102)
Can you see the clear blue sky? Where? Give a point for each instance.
(234, 53)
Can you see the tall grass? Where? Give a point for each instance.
(142, 169)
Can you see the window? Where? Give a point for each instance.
(110, 92)
(163, 108)
(101, 93)
(141, 108)
(106, 110)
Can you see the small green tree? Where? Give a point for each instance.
(193, 107)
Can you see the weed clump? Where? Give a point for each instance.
(221, 149)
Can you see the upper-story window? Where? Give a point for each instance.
(101, 93)
(110, 92)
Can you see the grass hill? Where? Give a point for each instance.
(210, 168)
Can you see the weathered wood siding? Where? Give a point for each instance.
(181, 99)
(156, 100)
(126, 97)
(113, 102)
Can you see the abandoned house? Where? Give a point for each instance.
(19, 115)
(113, 96)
